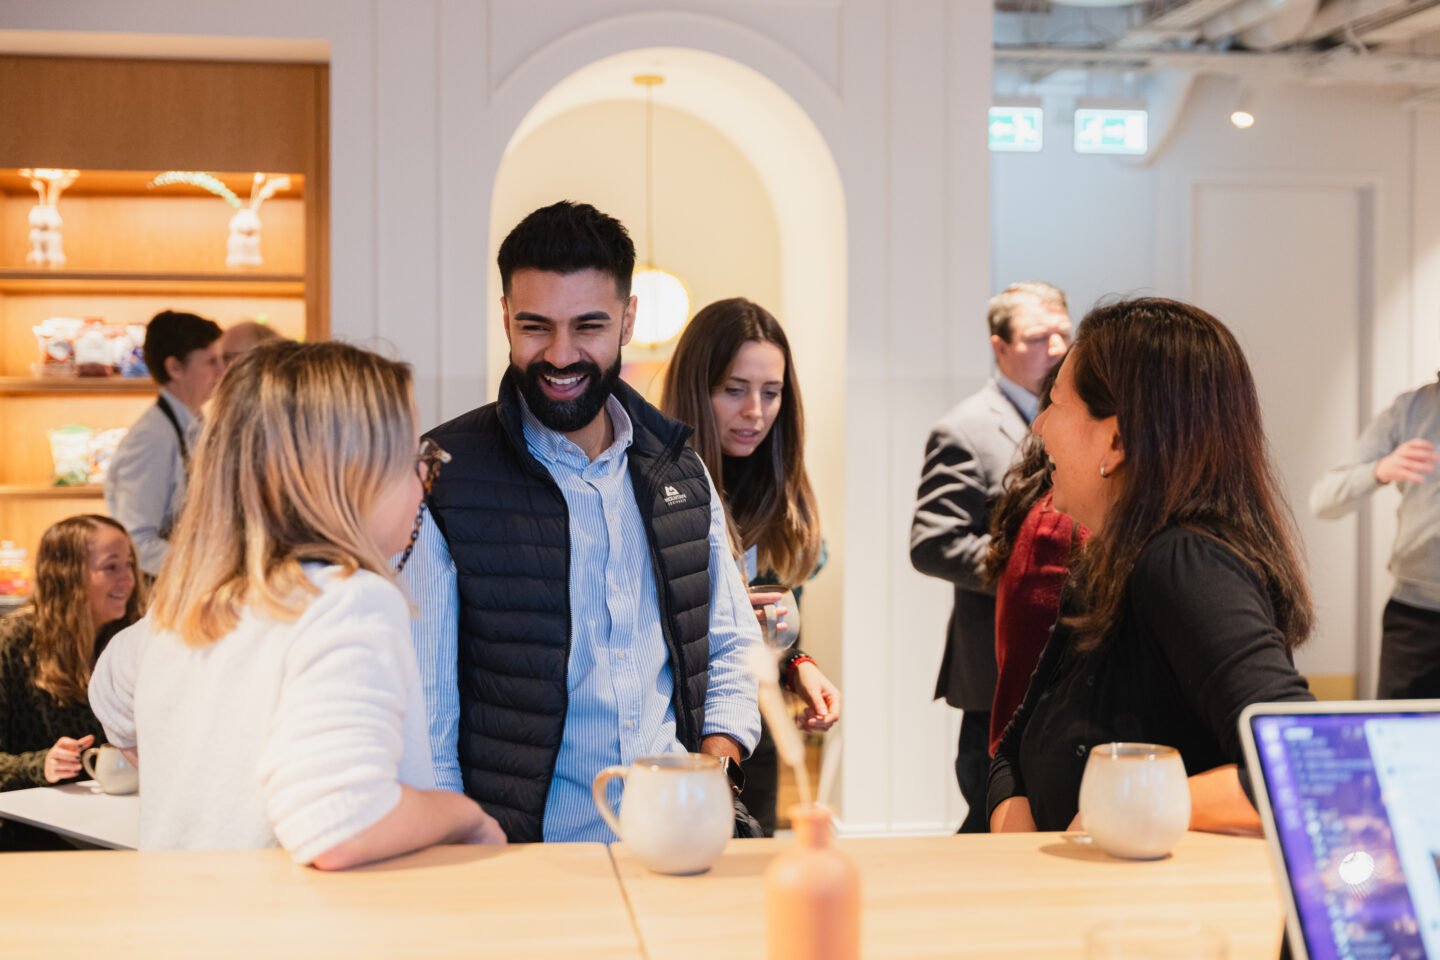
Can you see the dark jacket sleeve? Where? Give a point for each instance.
(1211, 618)
(18, 768)
(950, 533)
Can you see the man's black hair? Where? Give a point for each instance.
(175, 334)
(568, 237)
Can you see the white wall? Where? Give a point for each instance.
(1225, 217)
(427, 93)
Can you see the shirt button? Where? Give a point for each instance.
(619, 654)
(629, 724)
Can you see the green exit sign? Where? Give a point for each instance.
(1016, 129)
(1111, 131)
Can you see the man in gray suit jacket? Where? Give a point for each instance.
(965, 459)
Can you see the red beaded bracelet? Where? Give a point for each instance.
(790, 671)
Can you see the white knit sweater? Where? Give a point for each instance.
(297, 734)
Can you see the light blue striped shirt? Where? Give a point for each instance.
(619, 676)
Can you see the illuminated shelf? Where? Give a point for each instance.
(38, 282)
(46, 491)
(77, 386)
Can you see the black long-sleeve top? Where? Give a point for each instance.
(1197, 643)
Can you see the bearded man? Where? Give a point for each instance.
(579, 606)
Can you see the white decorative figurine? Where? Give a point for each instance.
(46, 249)
(243, 247)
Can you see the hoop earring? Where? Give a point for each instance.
(1103, 474)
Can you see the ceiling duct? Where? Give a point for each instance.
(1263, 24)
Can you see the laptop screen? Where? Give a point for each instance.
(1356, 804)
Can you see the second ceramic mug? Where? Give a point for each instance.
(107, 766)
(676, 814)
(1135, 799)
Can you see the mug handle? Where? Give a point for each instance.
(602, 803)
(87, 760)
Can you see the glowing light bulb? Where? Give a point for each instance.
(662, 306)
(1243, 119)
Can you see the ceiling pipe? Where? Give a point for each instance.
(1263, 24)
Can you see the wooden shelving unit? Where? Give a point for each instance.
(77, 386)
(135, 249)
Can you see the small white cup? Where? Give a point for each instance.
(1134, 799)
(107, 766)
(677, 813)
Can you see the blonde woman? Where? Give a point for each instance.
(271, 695)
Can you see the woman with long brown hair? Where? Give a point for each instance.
(733, 380)
(85, 591)
(1190, 596)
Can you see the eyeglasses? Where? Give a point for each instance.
(427, 466)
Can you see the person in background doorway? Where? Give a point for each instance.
(1399, 447)
(732, 379)
(1189, 597)
(145, 484)
(966, 458)
(86, 590)
(241, 338)
(270, 697)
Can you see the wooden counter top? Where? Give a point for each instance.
(531, 901)
(1003, 896)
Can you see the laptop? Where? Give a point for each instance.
(1350, 797)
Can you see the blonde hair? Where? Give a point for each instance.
(1007, 303)
(303, 439)
(63, 651)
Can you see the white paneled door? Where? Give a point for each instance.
(1307, 343)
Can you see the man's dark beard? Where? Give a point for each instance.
(567, 416)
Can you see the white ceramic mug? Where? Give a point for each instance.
(107, 766)
(676, 814)
(1134, 799)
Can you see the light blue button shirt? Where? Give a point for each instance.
(619, 677)
(1026, 402)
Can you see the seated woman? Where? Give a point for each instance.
(272, 694)
(85, 590)
(1189, 598)
(732, 380)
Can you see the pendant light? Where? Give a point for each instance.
(662, 302)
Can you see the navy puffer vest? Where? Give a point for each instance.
(508, 529)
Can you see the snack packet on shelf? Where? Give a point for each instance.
(94, 350)
(131, 361)
(70, 449)
(102, 449)
(56, 338)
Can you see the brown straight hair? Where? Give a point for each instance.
(1188, 415)
(771, 504)
(63, 652)
(302, 440)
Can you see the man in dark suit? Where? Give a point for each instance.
(965, 459)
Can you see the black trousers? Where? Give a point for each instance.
(1409, 653)
(972, 768)
(762, 781)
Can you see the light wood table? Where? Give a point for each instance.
(77, 810)
(525, 901)
(1002, 896)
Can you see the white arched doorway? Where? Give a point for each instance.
(803, 222)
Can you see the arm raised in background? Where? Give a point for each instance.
(950, 533)
(1378, 457)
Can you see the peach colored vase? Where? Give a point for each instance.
(812, 895)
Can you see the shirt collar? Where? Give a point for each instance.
(552, 447)
(1026, 402)
(182, 412)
